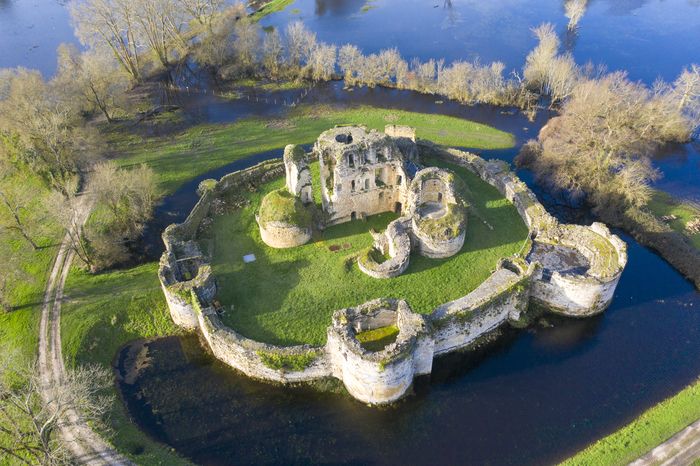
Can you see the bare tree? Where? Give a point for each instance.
(216, 46)
(31, 413)
(129, 195)
(686, 92)
(42, 128)
(546, 71)
(125, 200)
(273, 54)
(94, 78)
(601, 144)
(246, 43)
(161, 25)
(203, 12)
(13, 212)
(322, 62)
(300, 44)
(350, 61)
(111, 23)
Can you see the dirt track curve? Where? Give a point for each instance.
(84, 444)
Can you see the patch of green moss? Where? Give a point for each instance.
(295, 153)
(206, 186)
(288, 362)
(281, 206)
(378, 338)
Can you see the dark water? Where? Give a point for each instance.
(648, 38)
(534, 397)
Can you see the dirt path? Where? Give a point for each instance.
(683, 449)
(84, 444)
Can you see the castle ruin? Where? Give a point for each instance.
(570, 270)
(364, 173)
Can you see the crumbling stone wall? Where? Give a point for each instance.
(284, 235)
(433, 186)
(297, 173)
(397, 242)
(570, 294)
(500, 299)
(379, 376)
(362, 173)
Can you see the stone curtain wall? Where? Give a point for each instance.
(387, 375)
(575, 295)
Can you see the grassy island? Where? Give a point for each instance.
(287, 296)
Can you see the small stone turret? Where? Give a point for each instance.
(297, 173)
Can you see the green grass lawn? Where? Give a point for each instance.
(199, 149)
(103, 312)
(664, 204)
(19, 328)
(653, 427)
(287, 296)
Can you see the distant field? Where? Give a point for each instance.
(192, 152)
(663, 204)
(288, 295)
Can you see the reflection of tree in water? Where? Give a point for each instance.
(574, 11)
(453, 17)
(337, 7)
(569, 39)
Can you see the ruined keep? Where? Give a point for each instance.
(364, 173)
(571, 270)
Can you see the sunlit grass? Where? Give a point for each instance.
(662, 204)
(287, 296)
(378, 338)
(180, 157)
(101, 314)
